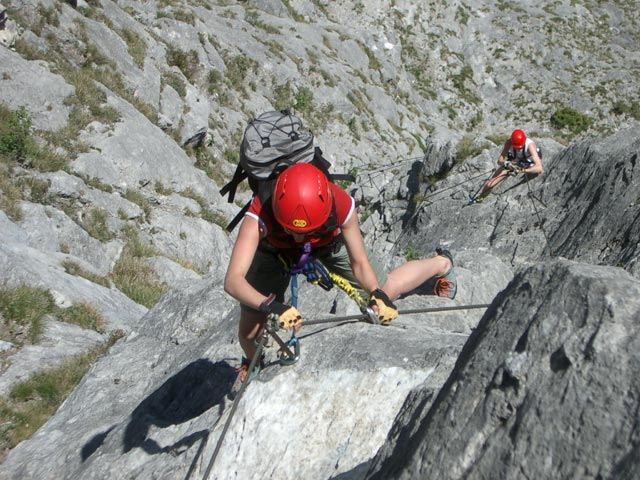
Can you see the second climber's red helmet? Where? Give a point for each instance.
(302, 200)
(518, 138)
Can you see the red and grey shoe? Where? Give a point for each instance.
(446, 285)
(243, 375)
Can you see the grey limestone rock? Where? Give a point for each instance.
(542, 389)
(44, 99)
(60, 341)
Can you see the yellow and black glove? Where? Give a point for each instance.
(289, 317)
(387, 311)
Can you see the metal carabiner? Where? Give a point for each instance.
(292, 357)
(371, 316)
(294, 344)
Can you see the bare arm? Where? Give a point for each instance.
(235, 283)
(362, 269)
(537, 162)
(504, 153)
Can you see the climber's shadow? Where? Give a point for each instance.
(187, 395)
(198, 387)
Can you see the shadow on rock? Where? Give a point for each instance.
(427, 288)
(92, 445)
(413, 187)
(187, 395)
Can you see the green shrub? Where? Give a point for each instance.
(238, 69)
(572, 120)
(15, 133)
(627, 108)
(304, 100)
(214, 81)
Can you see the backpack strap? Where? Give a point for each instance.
(232, 224)
(324, 165)
(232, 186)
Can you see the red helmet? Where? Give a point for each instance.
(518, 138)
(302, 199)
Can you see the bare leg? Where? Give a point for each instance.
(250, 328)
(413, 274)
(499, 175)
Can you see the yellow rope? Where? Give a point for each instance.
(349, 289)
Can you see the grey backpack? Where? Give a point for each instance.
(272, 142)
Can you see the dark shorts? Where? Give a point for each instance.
(266, 273)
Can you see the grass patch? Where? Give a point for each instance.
(160, 189)
(304, 100)
(23, 309)
(84, 315)
(95, 223)
(10, 195)
(134, 277)
(136, 46)
(467, 148)
(175, 82)
(187, 61)
(139, 199)
(32, 402)
(73, 268)
(411, 253)
(205, 212)
(19, 144)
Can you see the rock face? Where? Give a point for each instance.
(542, 388)
(150, 99)
(582, 207)
(156, 405)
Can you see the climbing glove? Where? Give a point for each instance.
(288, 316)
(387, 311)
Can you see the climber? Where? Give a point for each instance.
(307, 210)
(519, 155)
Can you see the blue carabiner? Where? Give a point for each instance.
(294, 345)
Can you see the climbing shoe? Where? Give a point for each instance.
(242, 375)
(446, 285)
